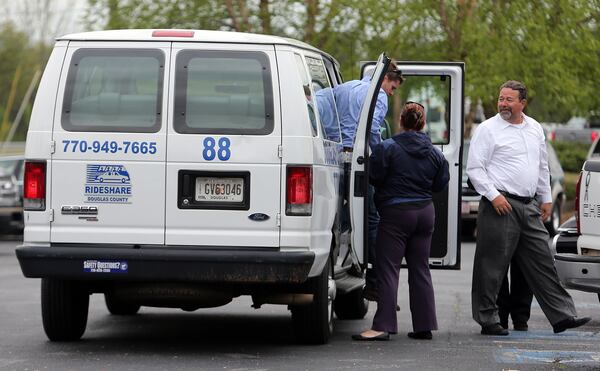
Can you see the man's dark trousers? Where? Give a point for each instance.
(519, 235)
(514, 299)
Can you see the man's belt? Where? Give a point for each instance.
(522, 199)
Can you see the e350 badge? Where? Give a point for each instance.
(110, 184)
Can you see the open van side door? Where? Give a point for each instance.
(439, 86)
(359, 175)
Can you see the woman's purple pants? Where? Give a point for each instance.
(405, 232)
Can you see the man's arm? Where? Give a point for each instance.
(543, 191)
(480, 153)
(381, 108)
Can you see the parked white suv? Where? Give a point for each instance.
(181, 168)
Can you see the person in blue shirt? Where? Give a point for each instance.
(349, 99)
(406, 170)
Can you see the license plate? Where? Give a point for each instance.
(216, 189)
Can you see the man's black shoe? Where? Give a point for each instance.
(495, 329)
(520, 326)
(570, 323)
(420, 335)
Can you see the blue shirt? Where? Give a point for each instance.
(349, 99)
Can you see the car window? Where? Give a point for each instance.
(324, 99)
(226, 92)
(556, 171)
(433, 92)
(307, 93)
(114, 90)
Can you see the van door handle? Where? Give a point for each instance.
(360, 160)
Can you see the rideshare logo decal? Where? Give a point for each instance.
(110, 184)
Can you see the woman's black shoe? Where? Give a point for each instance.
(421, 335)
(381, 337)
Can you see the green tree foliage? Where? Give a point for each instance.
(17, 50)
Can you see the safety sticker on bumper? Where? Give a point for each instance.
(105, 266)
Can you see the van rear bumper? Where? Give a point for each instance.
(164, 264)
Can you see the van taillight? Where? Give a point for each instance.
(34, 185)
(594, 135)
(299, 190)
(577, 216)
(553, 135)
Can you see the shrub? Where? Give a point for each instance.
(571, 155)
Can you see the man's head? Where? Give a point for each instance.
(392, 80)
(512, 101)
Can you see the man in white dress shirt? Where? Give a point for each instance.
(508, 166)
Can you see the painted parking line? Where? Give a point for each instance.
(549, 335)
(515, 355)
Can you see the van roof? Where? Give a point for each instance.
(198, 36)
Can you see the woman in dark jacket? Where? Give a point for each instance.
(405, 170)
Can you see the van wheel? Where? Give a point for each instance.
(120, 307)
(64, 309)
(313, 323)
(351, 305)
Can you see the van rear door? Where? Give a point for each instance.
(439, 87)
(223, 161)
(109, 141)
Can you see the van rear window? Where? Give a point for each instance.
(223, 92)
(114, 90)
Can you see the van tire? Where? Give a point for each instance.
(120, 307)
(64, 309)
(313, 323)
(351, 305)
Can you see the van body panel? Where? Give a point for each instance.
(110, 137)
(39, 144)
(219, 144)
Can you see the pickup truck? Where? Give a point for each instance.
(580, 269)
(577, 129)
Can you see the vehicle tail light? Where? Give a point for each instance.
(553, 135)
(577, 209)
(299, 190)
(594, 135)
(34, 185)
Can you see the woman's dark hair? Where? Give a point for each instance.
(412, 116)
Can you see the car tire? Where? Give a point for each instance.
(120, 307)
(313, 323)
(351, 305)
(64, 309)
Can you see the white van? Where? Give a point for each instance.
(180, 168)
